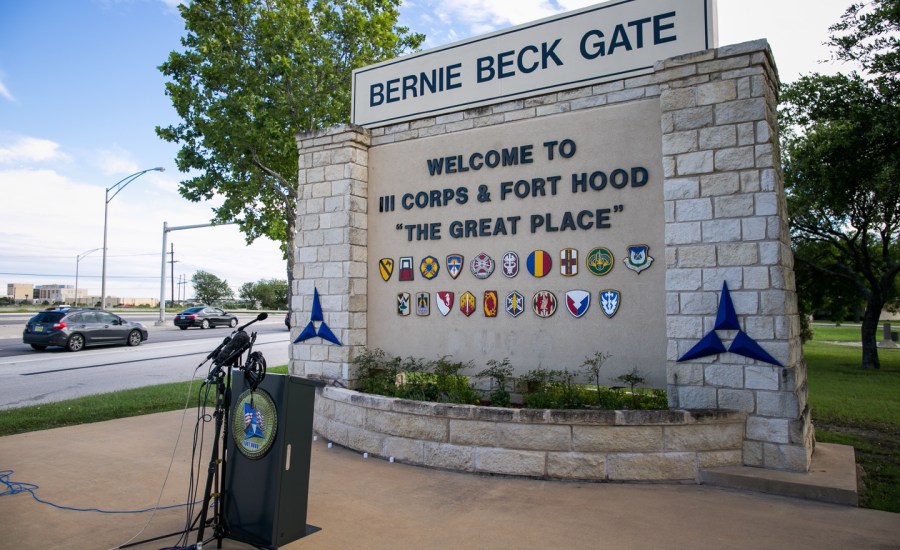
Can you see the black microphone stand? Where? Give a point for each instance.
(220, 374)
(218, 468)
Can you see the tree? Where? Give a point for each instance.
(252, 75)
(208, 288)
(270, 293)
(842, 164)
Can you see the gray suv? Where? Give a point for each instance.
(75, 328)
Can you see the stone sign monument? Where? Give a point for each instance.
(603, 180)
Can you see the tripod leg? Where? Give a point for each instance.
(213, 471)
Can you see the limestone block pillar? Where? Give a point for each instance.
(726, 221)
(330, 249)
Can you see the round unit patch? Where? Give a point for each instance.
(600, 261)
(539, 263)
(544, 303)
(482, 266)
(429, 267)
(254, 423)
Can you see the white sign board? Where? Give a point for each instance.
(608, 41)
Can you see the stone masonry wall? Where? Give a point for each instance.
(330, 253)
(726, 220)
(577, 445)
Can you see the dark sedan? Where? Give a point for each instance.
(76, 328)
(205, 317)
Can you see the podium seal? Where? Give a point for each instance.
(254, 423)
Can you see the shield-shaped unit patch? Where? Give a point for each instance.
(454, 264)
(467, 303)
(578, 302)
(423, 303)
(406, 268)
(515, 303)
(638, 257)
(568, 262)
(609, 301)
(386, 268)
(403, 303)
(490, 303)
(444, 302)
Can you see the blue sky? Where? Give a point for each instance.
(80, 95)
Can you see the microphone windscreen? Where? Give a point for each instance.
(238, 343)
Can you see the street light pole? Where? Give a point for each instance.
(77, 261)
(121, 184)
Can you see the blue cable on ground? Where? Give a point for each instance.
(16, 487)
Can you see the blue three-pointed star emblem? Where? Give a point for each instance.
(726, 319)
(323, 331)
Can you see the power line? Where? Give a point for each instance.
(69, 275)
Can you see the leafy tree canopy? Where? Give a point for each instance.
(270, 293)
(841, 162)
(209, 289)
(251, 76)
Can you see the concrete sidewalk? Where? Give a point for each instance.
(371, 503)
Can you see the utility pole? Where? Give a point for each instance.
(182, 293)
(172, 262)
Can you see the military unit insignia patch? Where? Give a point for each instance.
(444, 302)
(578, 302)
(467, 303)
(454, 265)
(482, 266)
(490, 303)
(510, 264)
(600, 261)
(638, 258)
(429, 267)
(568, 262)
(515, 303)
(423, 303)
(386, 268)
(406, 268)
(609, 301)
(544, 303)
(403, 303)
(539, 263)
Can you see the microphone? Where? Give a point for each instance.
(262, 316)
(233, 348)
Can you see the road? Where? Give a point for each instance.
(29, 377)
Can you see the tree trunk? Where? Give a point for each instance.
(289, 244)
(868, 334)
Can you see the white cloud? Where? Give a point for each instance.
(115, 161)
(27, 150)
(55, 218)
(5, 93)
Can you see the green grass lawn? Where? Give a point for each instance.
(107, 406)
(857, 407)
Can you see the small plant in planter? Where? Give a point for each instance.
(632, 378)
(500, 373)
(591, 367)
(453, 386)
(377, 372)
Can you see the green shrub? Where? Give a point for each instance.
(443, 381)
(500, 373)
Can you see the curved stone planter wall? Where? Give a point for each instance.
(579, 445)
